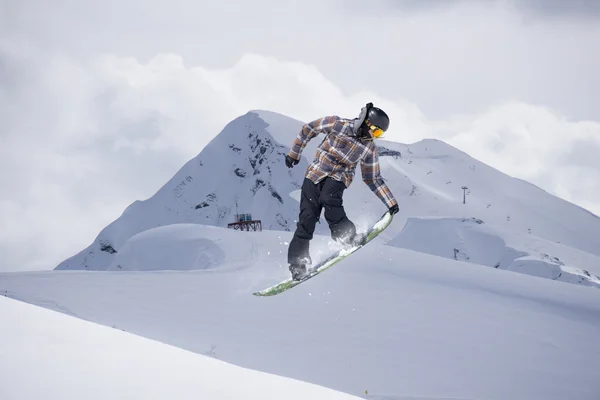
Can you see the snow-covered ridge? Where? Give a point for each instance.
(474, 241)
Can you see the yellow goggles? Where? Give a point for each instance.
(377, 132)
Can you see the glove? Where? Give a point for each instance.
(394, 209)
(290, 162)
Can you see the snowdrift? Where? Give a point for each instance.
(198, 247)
(49, 355)
(474, 241)
(186, 247)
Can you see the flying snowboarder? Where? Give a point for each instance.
(347, 142)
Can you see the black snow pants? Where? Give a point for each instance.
(327, 195)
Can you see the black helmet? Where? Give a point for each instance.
(379, 118)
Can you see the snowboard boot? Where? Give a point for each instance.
(298, 271)
(358, 239)
(355, 240)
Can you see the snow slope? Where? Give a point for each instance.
(399, 323)
(49, 355)
(242, 169)
(185, 247)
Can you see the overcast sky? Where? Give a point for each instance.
(102, 102)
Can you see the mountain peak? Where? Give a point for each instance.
(240, 171)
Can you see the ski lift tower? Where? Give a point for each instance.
(245, 222)
(464, 188)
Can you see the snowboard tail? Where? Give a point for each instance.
(329, 262)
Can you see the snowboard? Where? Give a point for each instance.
(330, 261)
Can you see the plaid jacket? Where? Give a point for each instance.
(339, 153)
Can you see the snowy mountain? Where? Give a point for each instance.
(241, 165)
(55, 356)
(518, 227)
(432, 308)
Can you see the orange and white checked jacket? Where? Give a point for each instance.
(339, 153)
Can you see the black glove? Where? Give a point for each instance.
(290, 162)
(394, 209)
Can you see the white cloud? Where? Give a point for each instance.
(93, 118)
(536, 144)
(450, 57)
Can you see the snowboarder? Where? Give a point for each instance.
(347, 142)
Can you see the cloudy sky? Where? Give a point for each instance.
(102, 102)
